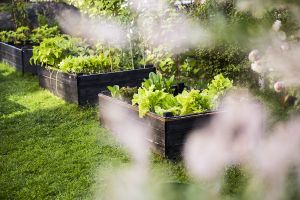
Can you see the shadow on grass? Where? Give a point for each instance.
(52, 153)
(14, 83)
(48, 153)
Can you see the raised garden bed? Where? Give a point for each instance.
(18, 57)
(168, 134)
(83, 89)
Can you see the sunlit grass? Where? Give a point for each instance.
(50, 149)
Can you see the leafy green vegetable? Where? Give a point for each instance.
(150, 99)
(159, 82)
(43, 32)
(153, 100)
(124, 93)
(214, 91)
(190, 102)
(115, 91)
(53, 50)
(20, 36)
(88, 64)
(128, 92)
(23, 35)
(7, 36)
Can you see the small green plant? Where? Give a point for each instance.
(21, 35)
(159, 82)
(7, 36)
(115, 91)
(19, 13)
(124, 93)
(190, 102)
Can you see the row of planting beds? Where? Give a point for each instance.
(81, 89)
(84, 75)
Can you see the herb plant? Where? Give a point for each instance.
(21, 35)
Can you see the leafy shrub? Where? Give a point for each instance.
(199, 66)
(53, 50)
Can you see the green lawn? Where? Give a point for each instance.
(50, 149)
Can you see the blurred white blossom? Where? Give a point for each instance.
(254, 55)
(277, 25)
(279, 86)
(257, 66)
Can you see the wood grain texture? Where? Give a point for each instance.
(18, 57)
(28, 67)
(12, 56)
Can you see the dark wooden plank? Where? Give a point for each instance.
(168, 133)
(28, 67)
(87, 87)
(157, 127)
(61, 85)
(114, 77)
(11, 55)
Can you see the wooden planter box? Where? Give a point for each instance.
(17, 57)
(168, 134)
(84, 89)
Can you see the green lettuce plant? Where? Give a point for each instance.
(151, 99)
(115, 91)
(190, 102)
